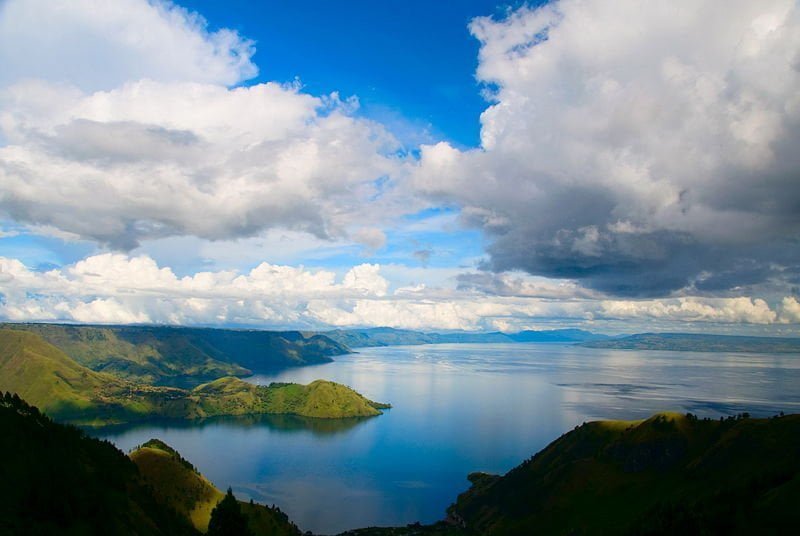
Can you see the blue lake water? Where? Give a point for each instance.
(457, 409)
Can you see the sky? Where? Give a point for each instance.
(613, 166)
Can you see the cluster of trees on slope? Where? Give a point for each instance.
(670, 474)
(57, 480)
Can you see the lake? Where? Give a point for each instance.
(458, 408)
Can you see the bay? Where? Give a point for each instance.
(458, 408)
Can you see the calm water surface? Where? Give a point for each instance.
(457, 408)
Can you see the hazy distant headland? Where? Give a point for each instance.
(697, 342)
(369, 337)
(689, 342)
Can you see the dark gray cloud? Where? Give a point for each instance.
(423, 256)
(657, 161)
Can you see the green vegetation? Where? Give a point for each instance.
(696, 342)
(669, 474)
(227, 518)
(319, 399)
(63, 482)
(48, 378)
(42, 374)
(56, 480)
(179, 356)
(176, 484)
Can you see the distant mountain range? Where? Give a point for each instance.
(365, 338)
(680, 342)
(699, 342)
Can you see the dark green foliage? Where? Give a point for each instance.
(56, 480)
(670, 474)
(227, 518)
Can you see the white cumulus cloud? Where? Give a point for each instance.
(118, 288)
(635, 145)
(118, 124)
(98, 45)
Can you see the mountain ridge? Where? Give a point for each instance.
(182, 356)
(68, 391)
(384, 336)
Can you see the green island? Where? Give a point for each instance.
(48, 378)
(668, 474)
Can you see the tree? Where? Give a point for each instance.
(227, 518)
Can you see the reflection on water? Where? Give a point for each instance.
(456, 409)
(281, 423)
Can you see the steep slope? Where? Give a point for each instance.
(179, 486)
(182, 356)
(669, 474)
(55, 480)
(65, 390)
(263, 351)
(37, 371)
(146, 355)
(176, 483)
(48, 378)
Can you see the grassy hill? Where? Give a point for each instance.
(182, 356)
(48, 378)
(42, 374)
(178, 485)
(56, 480)
(319, 399)
(669, 474)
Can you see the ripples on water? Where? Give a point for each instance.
(457, 409)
